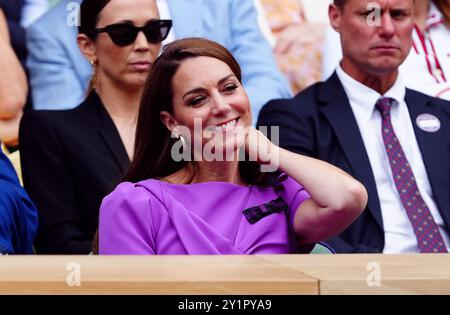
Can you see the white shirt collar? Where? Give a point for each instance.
(363, 97)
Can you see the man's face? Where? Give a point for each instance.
(374, 42)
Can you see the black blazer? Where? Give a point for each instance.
(70, 161)
(319, 122)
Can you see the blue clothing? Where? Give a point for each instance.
(18, 215)
(60, 74)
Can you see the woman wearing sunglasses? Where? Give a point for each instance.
(205, 203)
(72, 158)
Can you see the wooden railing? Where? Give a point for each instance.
(246, 275)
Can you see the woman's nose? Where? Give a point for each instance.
(220, 105)
(141, 42)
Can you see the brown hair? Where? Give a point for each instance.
(340, 3)
(152, 155)
(89, 15)
(444, 7)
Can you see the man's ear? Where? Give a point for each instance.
(87, 47)
(168, 120)
(334, 14)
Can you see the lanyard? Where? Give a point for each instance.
(436, 72)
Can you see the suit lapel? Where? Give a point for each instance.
(109, 134)
(336, 108)
(433, 146)
(187, 17)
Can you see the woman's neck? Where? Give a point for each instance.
(208, 172)
(123, 107)
(218, 171)
(421, 9)
(121, 104)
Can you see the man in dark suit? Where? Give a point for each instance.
(363, 119)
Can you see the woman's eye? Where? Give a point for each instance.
(196, 101)
(230, 88)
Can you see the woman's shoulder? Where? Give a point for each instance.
(56, 119)
(45, 115)
(135, 193)
(64, 117)
(131, 200)
(148, 186)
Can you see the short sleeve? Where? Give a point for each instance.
(292, 193)
(125, 227)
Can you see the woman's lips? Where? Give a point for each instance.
(141, 65)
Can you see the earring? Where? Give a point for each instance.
(183, 141)
(94, 79)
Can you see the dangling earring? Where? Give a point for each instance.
(94, 79)
(183, 141)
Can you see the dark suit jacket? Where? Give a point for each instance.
(70, 161)
(319, 122)
(13, 12)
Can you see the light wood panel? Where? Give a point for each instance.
(150, 275)
(242, 275)
(357, 274)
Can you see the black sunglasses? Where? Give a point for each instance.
(123, 34)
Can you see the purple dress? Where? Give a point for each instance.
(155, 217)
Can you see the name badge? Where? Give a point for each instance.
(428, 123)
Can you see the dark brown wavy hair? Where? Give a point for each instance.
(152, 155)
(444, 7)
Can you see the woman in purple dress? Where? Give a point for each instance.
(199, 182)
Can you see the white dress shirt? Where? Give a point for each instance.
(398, 231)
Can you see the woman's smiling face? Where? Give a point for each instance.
(207, 92)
